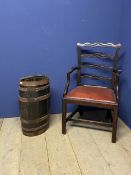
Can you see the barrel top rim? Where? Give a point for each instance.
(34, 80)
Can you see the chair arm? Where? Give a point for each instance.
(117, 73)
(68, 79)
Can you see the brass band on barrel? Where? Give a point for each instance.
(34, 88)
(22, 99)
(35, 120)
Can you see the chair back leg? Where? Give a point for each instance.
(64, 111)
(114, 124)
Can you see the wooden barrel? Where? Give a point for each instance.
(34, 99)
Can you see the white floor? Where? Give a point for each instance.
(81, 151)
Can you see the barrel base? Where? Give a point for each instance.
(35, 133)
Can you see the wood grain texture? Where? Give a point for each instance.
(10, 145)
(34, 160)
(87, 153)
(116, 156)
(61, 156)
(124, 134)
(81, 152)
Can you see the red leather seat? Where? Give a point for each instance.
(92, 93)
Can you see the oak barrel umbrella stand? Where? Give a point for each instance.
(34, 100)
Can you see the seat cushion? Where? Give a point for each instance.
(92, 93)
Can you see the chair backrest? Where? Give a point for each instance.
(102, 53)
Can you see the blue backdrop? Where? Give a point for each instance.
(39, 37)
(125, 83)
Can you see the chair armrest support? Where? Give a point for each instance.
(117, 73)
(68, 79)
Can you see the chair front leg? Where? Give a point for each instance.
(64, 111)
(114, 124)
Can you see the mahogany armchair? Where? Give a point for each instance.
(94, 95)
